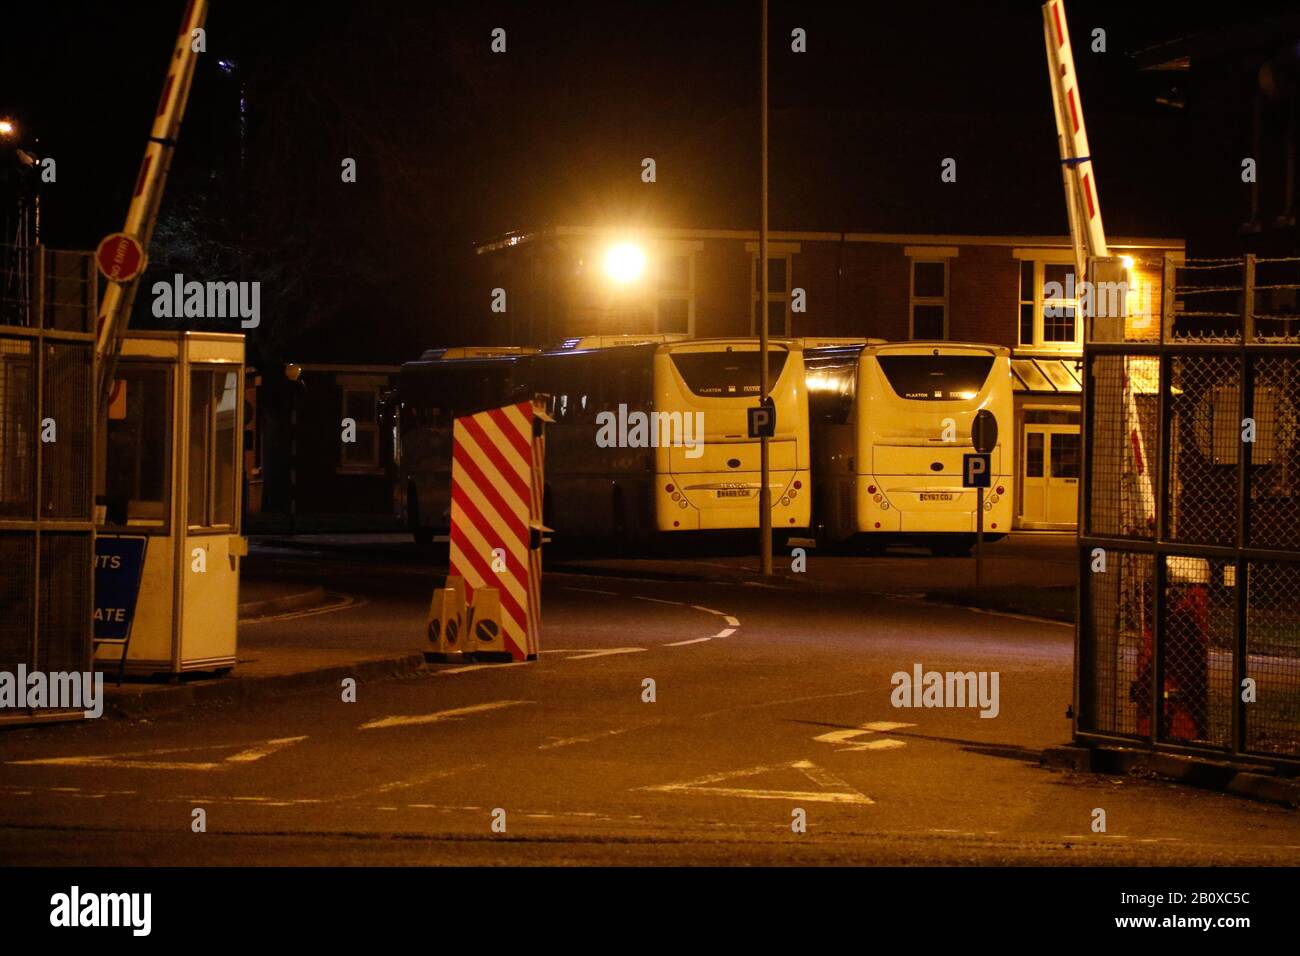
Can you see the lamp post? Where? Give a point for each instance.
(764, 491)
(297, 387)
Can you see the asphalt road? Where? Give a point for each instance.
(767, 702)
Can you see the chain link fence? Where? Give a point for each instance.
(1189, 630)
(48, 301)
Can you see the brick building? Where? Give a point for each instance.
(553, 284)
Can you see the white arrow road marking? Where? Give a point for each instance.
(453, 714)
(725, 632)
(694, 640)
(819, 776)
(849, 737)
(605, 653)
(125, 761)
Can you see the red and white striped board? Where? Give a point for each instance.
(496, 511)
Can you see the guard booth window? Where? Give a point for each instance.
(214, 406)
(139, 422)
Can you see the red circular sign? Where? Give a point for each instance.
(120, 257)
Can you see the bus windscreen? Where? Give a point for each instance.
(724, 374)
(936, 378)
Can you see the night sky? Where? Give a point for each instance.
(455, 144)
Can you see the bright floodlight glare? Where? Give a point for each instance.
(1128, 262)
(6, 127)
(625, 262)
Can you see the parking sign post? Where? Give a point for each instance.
(976, 473)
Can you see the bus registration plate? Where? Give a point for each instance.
(733, 492)
(936, 496)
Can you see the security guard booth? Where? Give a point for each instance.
(171, 465)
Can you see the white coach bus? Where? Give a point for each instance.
(890, 425)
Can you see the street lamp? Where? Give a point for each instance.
(8, 128)
(625, 262)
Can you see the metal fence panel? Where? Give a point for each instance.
(1275, 454)
(1273, 657)
(1205, 402)
(1189, 630)
(17, 598)
(17, 428)
(1117, 654)
(66, 412)
(47, 307)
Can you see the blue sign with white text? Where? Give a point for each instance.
(119, 562)
(975, 471)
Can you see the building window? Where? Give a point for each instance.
(139, 447)
(1048, 306)
(361, 404)
(675, 293)
(214, 441)
(778, 290)
(929, 299)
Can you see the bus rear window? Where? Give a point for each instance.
(721, 374)
(936, 378)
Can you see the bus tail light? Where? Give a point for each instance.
(668, 488)
(797, 484)
(871, 490)
(1000, 490)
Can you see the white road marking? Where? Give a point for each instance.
(848, 737)
(884, 743)
(640, 597)
(725, 632)
(570, 741)
(587, 655)
(885, 725)
(696, 640)
(838, 736)
(466, 668)
(709, 610)
(565, 587)
(734, 622)
(788, 700)
(441, 715)
(257, 751)
(819, 776)
(1019, 617)
(347, 602)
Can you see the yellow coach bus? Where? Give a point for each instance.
(713, 483)
(890, 425)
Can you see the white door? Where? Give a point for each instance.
(1050, 477)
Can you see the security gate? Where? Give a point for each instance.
(1189, 538)
(47, 308)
